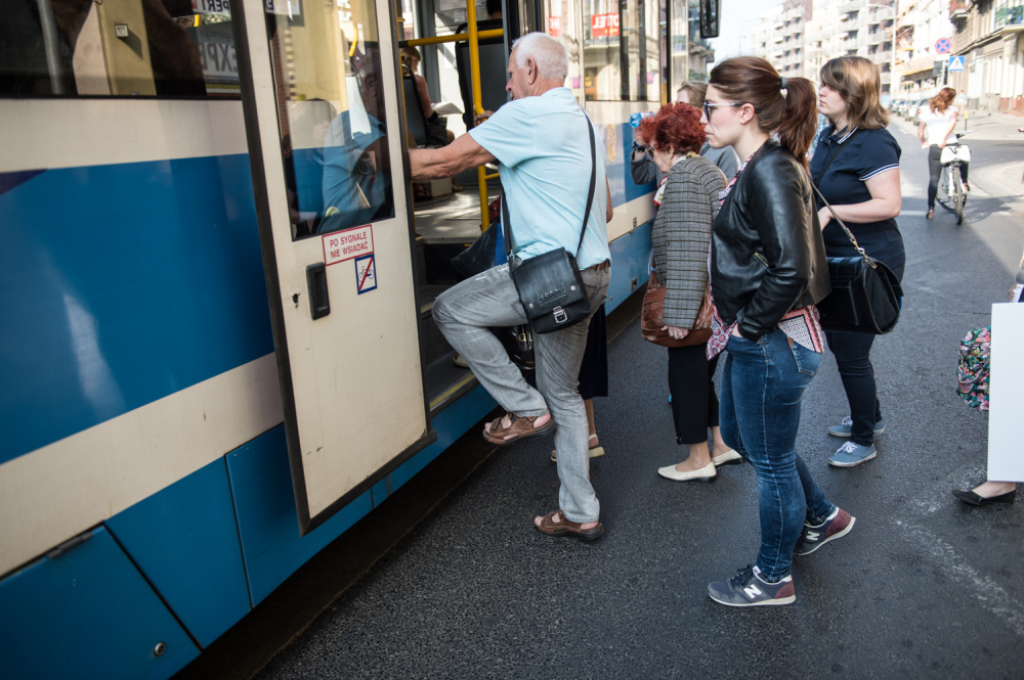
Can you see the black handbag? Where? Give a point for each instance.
(550, 285)
(865, 295)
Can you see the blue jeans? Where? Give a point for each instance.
(762, 387)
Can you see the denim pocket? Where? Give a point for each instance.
(807, 361)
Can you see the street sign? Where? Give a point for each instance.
(956, 63)
(943, 46)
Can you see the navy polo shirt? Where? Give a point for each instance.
(871, 152)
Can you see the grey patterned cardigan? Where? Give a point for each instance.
(682, 236)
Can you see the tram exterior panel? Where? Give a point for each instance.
(146, 502)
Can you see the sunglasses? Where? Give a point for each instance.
(709, 107)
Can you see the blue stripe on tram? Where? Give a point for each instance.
(120, 285)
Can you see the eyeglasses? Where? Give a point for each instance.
(709, 107)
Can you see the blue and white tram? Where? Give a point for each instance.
(216, 350)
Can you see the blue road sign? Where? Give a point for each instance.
(943, 46)
(956, 63)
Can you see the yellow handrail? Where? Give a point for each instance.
(474, 72)
(458, 37)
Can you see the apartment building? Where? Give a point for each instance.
(921, 24)
(799, 36)
(988, 36)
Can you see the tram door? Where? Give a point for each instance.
(319, 90)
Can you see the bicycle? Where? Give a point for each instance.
(952, 195)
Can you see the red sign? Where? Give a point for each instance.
(349, 244)
(555, 27)
(604, 26)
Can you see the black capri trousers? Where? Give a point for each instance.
(691, 380)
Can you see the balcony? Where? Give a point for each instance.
(957, 9)
(1009, 14)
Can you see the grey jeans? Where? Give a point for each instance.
(466, 311)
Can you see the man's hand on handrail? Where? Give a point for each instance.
(448, 161)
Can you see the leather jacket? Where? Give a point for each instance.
(767, 254)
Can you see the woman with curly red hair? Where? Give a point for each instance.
(688, 201)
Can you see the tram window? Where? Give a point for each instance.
(564, 22)
(616, 33)
(117, 47)
(327, 72)
(679, 30)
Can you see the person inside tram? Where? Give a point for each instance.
(356, 181)
(768, 271)
(857, 168)
(541, 140)
(304, 163)
(687, 205)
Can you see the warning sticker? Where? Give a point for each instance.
(341, 246)
(366, 274)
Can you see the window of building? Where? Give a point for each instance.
(141, 48)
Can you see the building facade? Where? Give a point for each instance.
(922, 25)
(987, 36)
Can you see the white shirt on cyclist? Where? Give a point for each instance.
(936, 124)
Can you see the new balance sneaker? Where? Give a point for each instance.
(838, 524)
(845, 428)
(851, 454)
(748, 589)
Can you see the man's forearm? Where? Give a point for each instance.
(448, 161)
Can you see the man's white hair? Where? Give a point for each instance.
(547, 53)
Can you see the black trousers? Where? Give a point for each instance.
(694, 402)
(853, 356)
(935, 171)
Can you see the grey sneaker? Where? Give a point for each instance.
(838, 524)
(851, 454)
(748, 589)
(845, 428)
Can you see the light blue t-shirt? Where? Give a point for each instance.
(543, 147)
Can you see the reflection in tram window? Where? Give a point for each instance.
(117, 47)
(327, 71)
(564, 23)
(617, 33)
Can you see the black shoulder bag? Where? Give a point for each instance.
(865, 295)
(550, 285)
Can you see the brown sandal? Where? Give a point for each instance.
(519, 427)
(565, 527)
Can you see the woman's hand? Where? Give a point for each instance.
(676, 333)
(824, 217)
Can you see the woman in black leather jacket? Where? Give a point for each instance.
(768, 270)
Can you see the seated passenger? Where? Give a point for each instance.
(541, 140)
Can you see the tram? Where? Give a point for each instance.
(216, 279)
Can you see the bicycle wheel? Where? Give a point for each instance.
(944, 194)
(958, 196)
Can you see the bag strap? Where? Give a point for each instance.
(834, 154)
(843, 225)
(507, 227)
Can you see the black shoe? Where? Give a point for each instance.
(972, 498)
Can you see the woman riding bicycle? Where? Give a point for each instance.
(936, 128)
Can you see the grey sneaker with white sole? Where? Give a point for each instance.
(845, 428)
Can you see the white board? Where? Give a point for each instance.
(1006, 394)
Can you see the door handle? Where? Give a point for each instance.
(319, 300)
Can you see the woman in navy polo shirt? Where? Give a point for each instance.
(856, 167)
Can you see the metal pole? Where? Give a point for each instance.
(478, 109)
(51, 41)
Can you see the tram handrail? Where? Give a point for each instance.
(478, 109)
(457, 37)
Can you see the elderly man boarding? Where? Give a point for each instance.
(541, 141)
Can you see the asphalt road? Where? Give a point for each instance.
(924, 587)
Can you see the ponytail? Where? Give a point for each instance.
(800, 120)
(784, 106)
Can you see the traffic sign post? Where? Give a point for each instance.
(943, 46)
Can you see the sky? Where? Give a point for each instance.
(736, 34)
